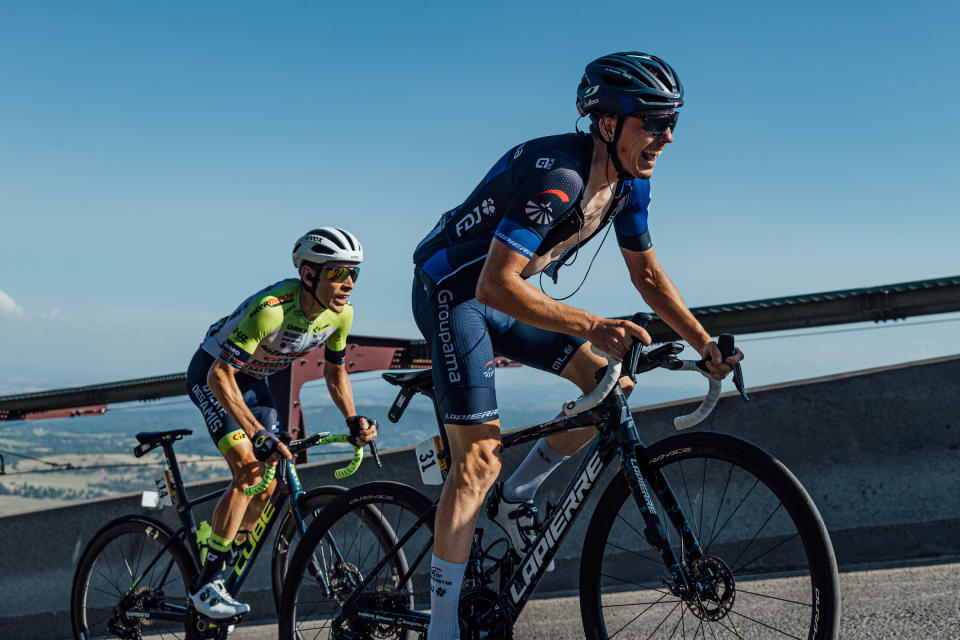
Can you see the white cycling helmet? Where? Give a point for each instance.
(327, 244)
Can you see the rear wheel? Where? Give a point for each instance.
(130, 583)
(767, 568)
(355, 539)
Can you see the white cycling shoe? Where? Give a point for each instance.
(519, 520)
(215, 602)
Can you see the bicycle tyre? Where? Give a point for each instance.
(310, 505)
(794, 553)
(116, 556)
(364, 523)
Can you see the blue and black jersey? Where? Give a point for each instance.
(530, 201)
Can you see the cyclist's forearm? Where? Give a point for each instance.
(341, 391)
(513, 295)
(659, 292)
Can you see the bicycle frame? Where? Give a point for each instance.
(286, 475)
(616, 438)
(615, 418)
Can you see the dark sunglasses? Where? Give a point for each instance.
(656, 124)
(340, 274)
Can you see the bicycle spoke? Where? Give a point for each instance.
(726, 485)
(712, 632)
(764, 595)
(664, 619)
(677, 626)
(732, 629)
(637, 553)
(768, 551)
(763, 624)
(637, 617)
(753, 519)
(686, 490)
(730, 517)
(659, 589)
(126, 563)
(703, 493)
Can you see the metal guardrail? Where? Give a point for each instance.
(878, 304)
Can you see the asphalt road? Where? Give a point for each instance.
(916, 602)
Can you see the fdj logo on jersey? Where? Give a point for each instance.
(486, 208)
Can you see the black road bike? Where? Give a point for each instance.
(132, 579)
(699, 535)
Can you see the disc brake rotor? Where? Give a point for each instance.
(714, 589)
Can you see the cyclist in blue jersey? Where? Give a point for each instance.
(227, 381)
(535, 208)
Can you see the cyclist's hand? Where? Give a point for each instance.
(266, 447)
(362, 430)
(716, 365)
(615, 337)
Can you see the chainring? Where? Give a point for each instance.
(199, 627)
(481, 617)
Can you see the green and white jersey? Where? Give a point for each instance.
(268, 331)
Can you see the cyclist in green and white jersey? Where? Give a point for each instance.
(227, 381)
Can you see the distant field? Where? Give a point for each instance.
(100, 447)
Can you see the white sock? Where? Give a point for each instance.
(445, 580)
(539, 463)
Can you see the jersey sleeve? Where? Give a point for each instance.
(548, 190)
(336, 345)
(263, 316)
(631, 223)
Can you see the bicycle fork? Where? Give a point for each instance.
(654, 530)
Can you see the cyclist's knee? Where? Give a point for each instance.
(247, 474)
(482, 460)
(582, 370)
(475, 454)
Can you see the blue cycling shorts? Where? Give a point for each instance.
(225, 432)
(464, 335)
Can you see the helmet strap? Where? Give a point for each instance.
(313, 290)
(622, 175)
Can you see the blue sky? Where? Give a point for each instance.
(157, 160)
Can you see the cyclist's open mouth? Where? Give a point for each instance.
(650, 155)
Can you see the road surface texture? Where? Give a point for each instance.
(915, 602)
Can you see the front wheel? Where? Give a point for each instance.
(362, 568)
(310, 505)
(131, 582)
(766, 570)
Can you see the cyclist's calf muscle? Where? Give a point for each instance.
(475, 450)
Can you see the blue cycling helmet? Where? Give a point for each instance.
(627, 82)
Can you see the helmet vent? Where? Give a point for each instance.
(331, 237)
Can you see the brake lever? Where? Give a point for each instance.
(375, 454)
(725, 342)
(641, 319)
